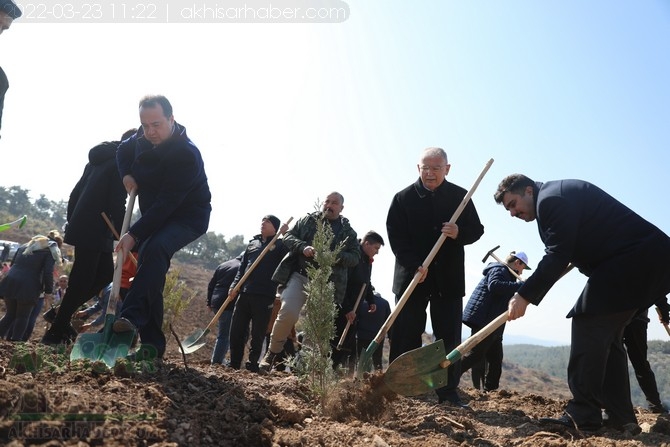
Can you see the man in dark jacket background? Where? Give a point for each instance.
(417, 217)
(635, 341)
(357, 275)
(487, 302)
(257, 294)
(346, 313)
(368, 325)
(98, 190)
(581, 224)
(217, 293)
(166, 169)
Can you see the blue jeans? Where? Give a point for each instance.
(143, 305)
(223, 338)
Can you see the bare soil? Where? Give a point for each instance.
(45, 400)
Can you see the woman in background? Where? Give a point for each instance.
(30, 275)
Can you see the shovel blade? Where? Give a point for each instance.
(195, 341)
(102, 347)
(418, 371)
(365, 360)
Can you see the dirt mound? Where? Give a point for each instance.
(204, 405)
(46, 400)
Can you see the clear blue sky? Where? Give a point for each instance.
(285, 113)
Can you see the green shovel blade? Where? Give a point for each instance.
(418, 371)
(105, 346)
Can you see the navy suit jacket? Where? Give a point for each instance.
(625, 257)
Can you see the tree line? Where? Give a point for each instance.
(44, 215)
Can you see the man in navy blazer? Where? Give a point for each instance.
(626, 260)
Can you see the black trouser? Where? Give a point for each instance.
(490, 349)
(598, 369)
(257, 310)
(478, 372)
(13, 324)
(635, 341)
(346, 356)
(362, 344)
(91, 272)
(446, 314)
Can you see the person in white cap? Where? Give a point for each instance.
(487, 302)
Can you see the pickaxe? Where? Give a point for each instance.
(490, 253)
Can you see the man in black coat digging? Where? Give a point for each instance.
(626, 260)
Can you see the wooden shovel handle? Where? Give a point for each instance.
(346, 329)
(236, 289)
(473, 341)
(118, 267)
(116, 235)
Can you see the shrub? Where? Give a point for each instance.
(319, 321)
(176, 298)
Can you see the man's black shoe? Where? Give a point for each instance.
(54, 337)
(565, 421)
(658, 408)
(123, 325)
(631, 428)
(454, 401)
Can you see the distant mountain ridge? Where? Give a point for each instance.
(543, 369)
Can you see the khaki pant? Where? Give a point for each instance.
(293, 298)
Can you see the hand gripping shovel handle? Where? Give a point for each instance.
(660, 316)
(346, 329)
(236, 289)
(415, 281)
(473, 341)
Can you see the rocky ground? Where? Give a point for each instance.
(45, 400)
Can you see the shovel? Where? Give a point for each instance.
(18, 223)
(198, 338)
(366, 356)
(348, 326)
(424, 369)
(107, 345)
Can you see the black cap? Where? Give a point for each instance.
(10, 8)
(274, 220)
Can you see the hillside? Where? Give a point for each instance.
(553, 362)
(201, 405)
